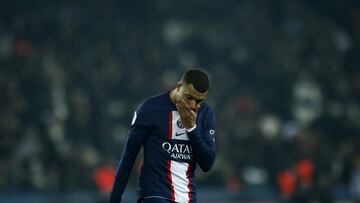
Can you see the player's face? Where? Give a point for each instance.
(191, 96)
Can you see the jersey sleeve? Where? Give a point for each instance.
(140, 127)
(203, 143)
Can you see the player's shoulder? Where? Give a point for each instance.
(153, 102)
(207, 109)
(156, 99)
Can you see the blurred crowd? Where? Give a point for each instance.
(285, 87)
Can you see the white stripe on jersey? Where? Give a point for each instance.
(180, 181)
(179, 170)
(178, 131)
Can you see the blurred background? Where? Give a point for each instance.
(285, 87)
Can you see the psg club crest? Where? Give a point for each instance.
(179, 123)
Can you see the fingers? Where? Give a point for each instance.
(180, 103)
(182, 106)
(187, 115)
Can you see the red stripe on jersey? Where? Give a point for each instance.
(170, 180)
(170, 125)
(187, 177)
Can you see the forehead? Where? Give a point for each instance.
(189, 89)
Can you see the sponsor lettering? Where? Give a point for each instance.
(178, 151)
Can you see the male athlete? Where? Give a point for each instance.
(176, 130)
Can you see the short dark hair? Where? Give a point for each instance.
(198, 78)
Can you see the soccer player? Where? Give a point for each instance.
(176, 130)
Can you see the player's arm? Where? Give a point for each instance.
(136, 136)
(203, 143)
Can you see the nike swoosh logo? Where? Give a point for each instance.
(178, 134)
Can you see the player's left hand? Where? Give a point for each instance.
(187, 115)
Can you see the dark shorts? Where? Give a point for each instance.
(154, 200)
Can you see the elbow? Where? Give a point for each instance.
(208, 164)
(206, 168)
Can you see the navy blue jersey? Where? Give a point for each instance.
(171, 152)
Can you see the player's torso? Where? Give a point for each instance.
(169, 139)
(169, 163)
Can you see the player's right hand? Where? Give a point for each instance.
(187, 115)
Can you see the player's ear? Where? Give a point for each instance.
(178, 85)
